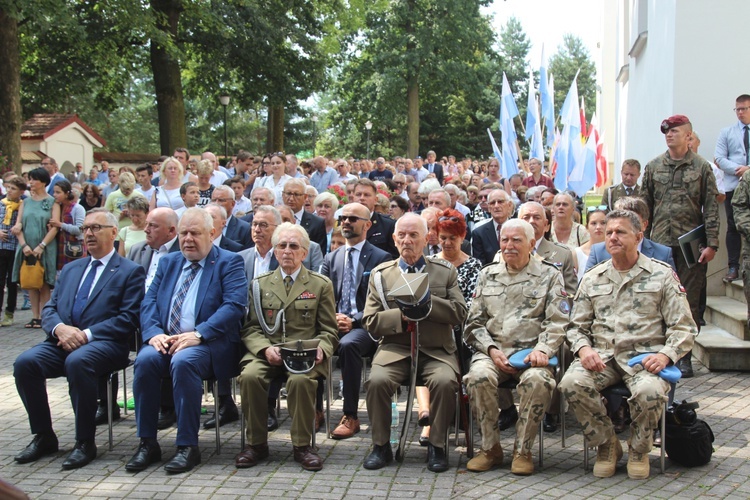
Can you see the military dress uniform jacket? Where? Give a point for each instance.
(512, 312)
(435, 332)
(614, 193)
(621, 316)
(681, 195)
(309, 308)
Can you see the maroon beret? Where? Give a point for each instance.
(674, 121)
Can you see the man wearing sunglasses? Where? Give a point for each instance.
(349, 268)
(380, 233)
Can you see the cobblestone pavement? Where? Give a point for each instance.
(719, 394)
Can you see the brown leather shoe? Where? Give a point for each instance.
(308, 458)
(251, 455)
(320, 419)
(347, 428)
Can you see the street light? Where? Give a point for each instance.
(315, 132)
(224, 100)
(368, 126)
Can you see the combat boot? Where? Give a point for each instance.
(606, 458)
(522, 464)
(638, 465)
(486, 459)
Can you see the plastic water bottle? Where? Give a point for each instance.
(394, 424)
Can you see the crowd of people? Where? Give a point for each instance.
(218, 267)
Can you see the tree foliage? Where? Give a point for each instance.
(571, 57)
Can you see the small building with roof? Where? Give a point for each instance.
(64, 137)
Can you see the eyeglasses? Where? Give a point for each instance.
(266, 163)
(741, 110)
(291, 246)
(351, 218)
(452, 219)
(262, 225)
(599, 208)
(292, 195)
(394, 206)
(95, 228)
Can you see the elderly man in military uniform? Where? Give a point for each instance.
(290, 303)
(438, 364)
(624, 307)
(520, 302)
(680, 189)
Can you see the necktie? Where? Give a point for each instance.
(348, 287)
(82, 297)
(411, 269)
(746, 141)
(499, 227)
(435, 249)
(288, 284)
(176, 313)
(628, 191)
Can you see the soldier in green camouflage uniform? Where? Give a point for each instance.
(624, 307)
(680, 190)
(519, 303)
(741, 206)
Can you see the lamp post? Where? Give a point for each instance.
(315, 132)
(368, 126)
(224, 100)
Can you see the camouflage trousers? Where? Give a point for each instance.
(534, 388)
(581, 388)
(693, 279)
(745, 270)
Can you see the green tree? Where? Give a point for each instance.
(514, 48)
(571, 57)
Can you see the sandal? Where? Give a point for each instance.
(34, 323)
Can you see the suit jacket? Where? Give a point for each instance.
(111, 312)
(219, 306)
(730, 153)
(249, 219)
(436, 331)
(141, 253)
(230, 245)
(239, 231)
(650, 249)
(333, 267)
(314, 258)
(316, 229)
(437, 170)
(74, 177)
(484, 243)
(614, 193)
(380, 233)
(562, 258)
(309, 311)
(249, 257)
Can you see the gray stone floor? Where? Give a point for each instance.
(719, 394)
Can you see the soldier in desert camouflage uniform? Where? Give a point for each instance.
(520, 303)
(624, 307)
(680, 189)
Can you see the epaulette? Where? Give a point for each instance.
(600, 264)
(551, 264)
(661, 263)
(439, 261)
(262, 275)
(566, 247)
(385, 265)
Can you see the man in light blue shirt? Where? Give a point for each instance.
(323, 176)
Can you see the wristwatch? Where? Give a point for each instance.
(198, 336)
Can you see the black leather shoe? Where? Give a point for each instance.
(227, 413)
(166, 419)
(101, 415)
(184, 460)
(508, 418)
(273, 422)
(437, 460)
(42, 444)
(148, 452)
(732, 275)
(379, 457)
(83, 453)
(686, 366)
(550, 422)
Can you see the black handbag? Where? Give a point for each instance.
(688, 439)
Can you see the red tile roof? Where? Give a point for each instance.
(43, 125)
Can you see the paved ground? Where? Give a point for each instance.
(720, 396)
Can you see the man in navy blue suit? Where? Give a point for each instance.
(485, 238)
(647, 247)
(235, 229)
(434, 167)
(349, 269)
(190, 321)
(89, 319)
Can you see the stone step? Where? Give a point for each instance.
(728, 314)
(735, 290)
(719, 350)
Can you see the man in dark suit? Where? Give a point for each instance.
(190, 320)
(88, 335)
(434, 167)
(380, 233)
(485, 238)
(219, 216)
(294, 198)
(161, 239)
(235, 229)
(647, 247)
(260, 258)
(349, 268)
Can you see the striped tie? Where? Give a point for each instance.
(176, 314)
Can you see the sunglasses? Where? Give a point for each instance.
(452, 219)
(351, 218)
(291, 246)
(598, 208)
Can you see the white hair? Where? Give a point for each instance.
(519, 223)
